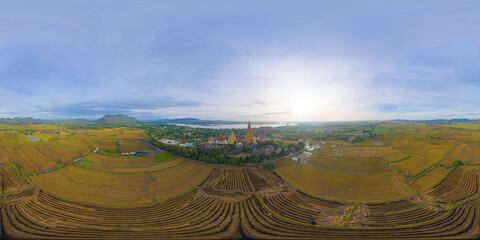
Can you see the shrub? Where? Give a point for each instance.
(269, 166)
(457, 163)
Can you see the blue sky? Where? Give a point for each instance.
(233, 60)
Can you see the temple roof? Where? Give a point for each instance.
(249, 138)
(232, 138)
(221, 138)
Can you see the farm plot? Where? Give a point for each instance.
(233, 179)
(429, 180)
(344, 187)
(464, 152)
(91, 142)
(178, 180)
(474, 137)
(10, 181)
(348, 150)
(148, 168)
(4, 156)
(392, 214)
(410, 147)
(121, 161)
(326, 149)
(387, 153)
(134, 145)
(263, 179)
(40, 158)
(348, 165)
(22, 139)
(108, 144)
(192, 216)
(257, 222)
(123, 189)
(460, 183)
(419, 162)
(284, 214)
(390, 154)
(8, 138)
(302, 208)
(301, 156)
(327, 146)
(41, 136)
(70, 147)
(96, 188)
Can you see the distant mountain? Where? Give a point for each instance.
(457, 120)
(194, 121)
(26, 120)
(117, 119)
(79, 121)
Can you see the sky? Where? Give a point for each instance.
(236, 60)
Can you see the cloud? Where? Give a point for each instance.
(136, 107)
(311, 60)
(276, 113)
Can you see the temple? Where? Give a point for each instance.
(232, 139)
(221, 140)
(249, 138)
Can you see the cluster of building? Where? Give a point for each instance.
(232, 139)
(144, 153)
(134, 153)
(249, 139)
(168, 141)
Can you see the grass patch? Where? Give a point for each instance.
(164, 157)
(40, 137)
(22, 139)
(381, 131)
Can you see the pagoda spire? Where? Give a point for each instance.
(232, 139)
(249, 138)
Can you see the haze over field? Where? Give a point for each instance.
(231, 60)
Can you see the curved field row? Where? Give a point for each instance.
(122, 189)
(4, 155)
(121, 161)
(263, 179)
(90, 142)
(398, 213)
(42, 157)
(429, 180)
(96, 188)
(165, 187)
(134, 145)
(229, 178)
(466, 153)
(157, 167)
(348, 165)
(199, 217)
(303, 208)
(387, 153)
(387, 186)
(461, 183)
(10, 181)
(288, 214)
(257, 222)
(419, 162)
(410, 147)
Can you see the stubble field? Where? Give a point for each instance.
(419, 182)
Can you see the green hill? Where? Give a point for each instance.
(117, 119)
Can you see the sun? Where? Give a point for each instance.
(301, 106)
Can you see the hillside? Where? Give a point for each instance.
(117, 119)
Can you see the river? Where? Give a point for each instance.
(231, 126)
